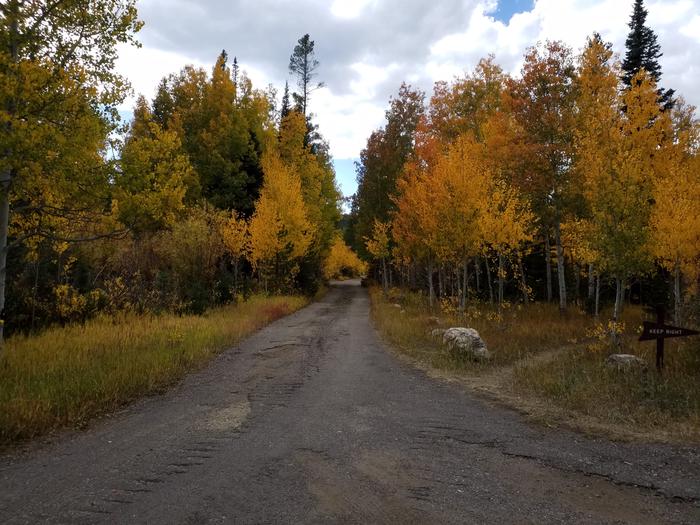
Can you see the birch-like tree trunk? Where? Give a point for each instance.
(560, 268)
(477, 267)
(619, 297)
(548, 266)
(523, 282)
(488, 279)
(465, 281)
(4, 227)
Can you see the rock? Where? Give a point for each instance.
(395, 305)
(466, 342)
(437, 333)
(626, 362)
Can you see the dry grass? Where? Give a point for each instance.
(553, 366)
(511, 333)
(65, 376)
(578, 380)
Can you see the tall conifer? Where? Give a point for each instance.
(643, 51)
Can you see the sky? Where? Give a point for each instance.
(366, 48)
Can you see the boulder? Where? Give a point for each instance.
(437, 333)
(626, 362)
(466, 342)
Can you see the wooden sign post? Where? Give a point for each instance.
(660, 332)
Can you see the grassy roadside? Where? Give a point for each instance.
(553, 367)
(666, 406)
(511, 335)
(65, 376)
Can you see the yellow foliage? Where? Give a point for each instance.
(455, 206)
(620, 156)
(507, 221)
(234, 231)
(70, 304)
(280, 226)
(675, 220)
(152, 183)
(378, 244)
(342, 261)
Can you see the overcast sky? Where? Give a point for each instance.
(368, 47)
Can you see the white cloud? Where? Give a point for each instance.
(367, 47)
(349, 9)
(692, 28)
(145, 68)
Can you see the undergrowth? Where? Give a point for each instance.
(66, 376)
(559, 360)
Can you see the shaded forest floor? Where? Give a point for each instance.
(65, 376)
(552, 366)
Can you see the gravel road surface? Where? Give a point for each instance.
(313, 420)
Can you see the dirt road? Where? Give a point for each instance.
(312, 420)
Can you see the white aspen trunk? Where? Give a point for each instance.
(591, 282)
(465, 281)
(597, 295)
(7, 174)
(619, 295)
(523, 282)
(560, 268)
(4, 227)
(477, 267)
(488, 279)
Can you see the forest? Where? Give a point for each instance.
(573, 184)
(212, 192)
(577, 180)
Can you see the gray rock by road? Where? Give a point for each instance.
(625, 362)
(466, 343)
(313, 420)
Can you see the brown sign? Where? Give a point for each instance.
(655, 331)
(659, 331)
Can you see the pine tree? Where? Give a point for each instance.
(285, 102)
(235, 73)
(303, 65)
(643, 51)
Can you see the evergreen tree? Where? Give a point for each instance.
(235, 72)
(285, 102)
(303, 65)
(643, 51)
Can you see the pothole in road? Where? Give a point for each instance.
(229, 418)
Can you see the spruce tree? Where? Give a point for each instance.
(643, 51)
(235, 72)
(303, 65)
(284, 111)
